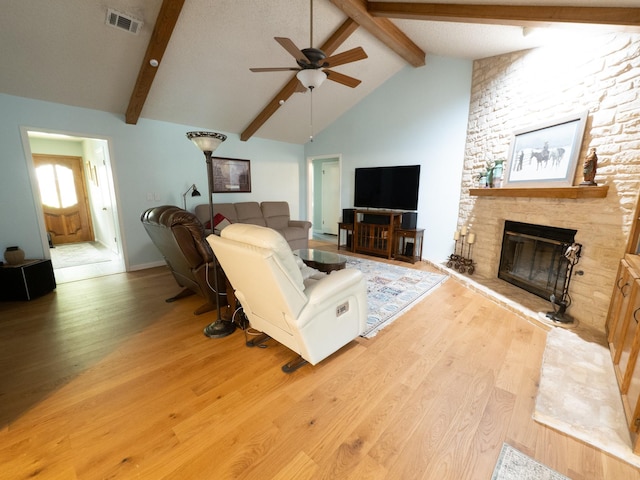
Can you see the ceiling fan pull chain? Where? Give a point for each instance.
(311, 113)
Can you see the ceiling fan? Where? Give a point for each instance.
(313, 64)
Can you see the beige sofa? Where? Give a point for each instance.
(274, 215)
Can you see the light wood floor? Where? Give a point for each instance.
(104, 380)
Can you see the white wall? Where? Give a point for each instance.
(419, 116)
(148, 158)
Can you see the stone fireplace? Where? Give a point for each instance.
(533, 257)
(504, 99)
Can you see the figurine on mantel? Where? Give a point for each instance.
(589, 168)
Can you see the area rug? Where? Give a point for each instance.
(75, 254)
(512, 464)
(578, 394)
(392, 290)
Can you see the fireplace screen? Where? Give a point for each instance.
(533, 257)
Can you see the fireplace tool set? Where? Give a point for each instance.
(458, 261)
(560, 305)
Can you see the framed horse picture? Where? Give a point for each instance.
(546, 155)
(231, 175)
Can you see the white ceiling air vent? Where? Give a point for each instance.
(122, 21)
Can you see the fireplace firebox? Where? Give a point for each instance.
(534, 258)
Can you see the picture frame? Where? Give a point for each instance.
(546, 155)
(231, 175)
(89, 170)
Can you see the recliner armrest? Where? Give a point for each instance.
(325, 295)
(332, 284)
(300, 224)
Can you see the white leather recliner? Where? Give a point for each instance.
(312, 313)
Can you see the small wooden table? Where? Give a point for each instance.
(320, 260)
(348, 228)
(408, 244)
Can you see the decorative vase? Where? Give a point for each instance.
(490, 178)
(498, 170)
(14, 255)
(482, 181)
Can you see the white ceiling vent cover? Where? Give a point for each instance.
(122, 21)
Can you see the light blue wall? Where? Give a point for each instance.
(419, 116)
(148, 158)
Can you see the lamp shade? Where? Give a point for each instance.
(206, 141)
(311, 78)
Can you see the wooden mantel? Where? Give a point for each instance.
(554, 192)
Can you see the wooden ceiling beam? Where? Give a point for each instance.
(165, 23)
(271, 108)
(522, 15)
(383, 29)
(329, 47)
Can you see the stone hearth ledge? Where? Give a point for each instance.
(524, 304)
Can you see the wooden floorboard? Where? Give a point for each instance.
(104, 379)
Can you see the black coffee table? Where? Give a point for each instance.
(320, 260)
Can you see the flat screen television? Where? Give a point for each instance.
(393, 188)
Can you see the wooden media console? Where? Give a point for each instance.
(380, 233)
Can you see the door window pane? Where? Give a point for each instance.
(57, 188)
(67, 188)
(47, 185)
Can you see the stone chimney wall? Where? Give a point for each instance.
(529, 88)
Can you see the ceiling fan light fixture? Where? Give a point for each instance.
(311, 78)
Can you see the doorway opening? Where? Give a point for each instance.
(324, 195)
(75, 193)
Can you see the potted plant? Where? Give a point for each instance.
(491, 175)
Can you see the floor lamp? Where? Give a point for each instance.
(194, 193)
(208, 142)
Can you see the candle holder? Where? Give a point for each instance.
(458, 261)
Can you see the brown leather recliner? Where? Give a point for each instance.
(180, 237)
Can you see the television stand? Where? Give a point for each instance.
(373, 232)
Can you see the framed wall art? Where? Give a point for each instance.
(546, 155)
(231, 175)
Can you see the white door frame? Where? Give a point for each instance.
(310, 179)
(330, 208)
(24, 131)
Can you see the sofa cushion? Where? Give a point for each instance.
(291, 234)
(225, 209)
(276, 214)
(249, 212)
(273, 214)
(219, 223)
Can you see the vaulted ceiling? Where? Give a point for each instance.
(64, 52)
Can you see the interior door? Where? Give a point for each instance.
(330, 197)
(64, 198)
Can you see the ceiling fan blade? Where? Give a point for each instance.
(342, 78)
(300, 88)
(349, 56)
(275, 69)
(290, 47)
